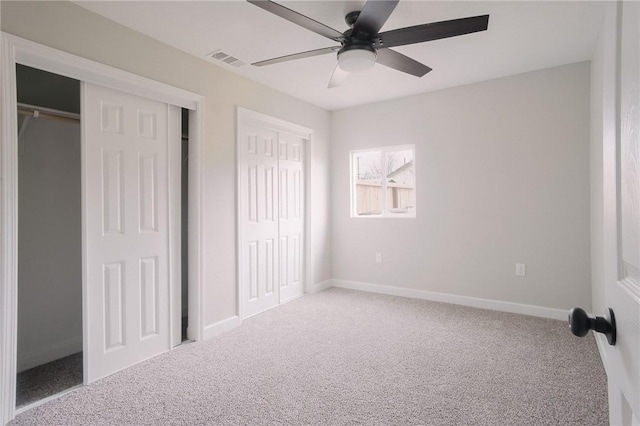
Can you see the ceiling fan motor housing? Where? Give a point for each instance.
(357, 52)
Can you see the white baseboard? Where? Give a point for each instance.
(496, 305)
(317, 287)
(220, 327)
(50, 353)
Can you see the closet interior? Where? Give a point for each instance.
(49, 236)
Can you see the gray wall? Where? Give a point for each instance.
(49, 243)
(70, 28)
(502, 171)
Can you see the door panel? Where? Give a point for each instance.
(125, 200)
(259, 198)
(623, 292)
(291, 166)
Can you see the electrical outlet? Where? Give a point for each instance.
(378, 257)
(521, 269)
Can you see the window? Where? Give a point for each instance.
(383, 182)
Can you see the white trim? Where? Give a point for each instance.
(9, 233)
(277, 124)
(318, 287)
(58, 62)
(83, 221)
(308, 213)
(495, 305)
(220, 327)
(240, 308)
(196, 228)
(174, 175)
(49, 353)
(17, 50)
(244, 115)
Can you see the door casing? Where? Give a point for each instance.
(15, 50)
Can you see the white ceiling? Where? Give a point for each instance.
(522, 36)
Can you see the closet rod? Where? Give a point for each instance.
(48, 113)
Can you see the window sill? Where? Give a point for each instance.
(384, 216)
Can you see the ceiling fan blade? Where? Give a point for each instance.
(298, 19)
(372, 17)
(294, 56)
(338, 77)
(398, 61)
(433, 31)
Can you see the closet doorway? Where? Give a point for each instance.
(90, 74)
(50, 240)
(273, 215)
(49, 236)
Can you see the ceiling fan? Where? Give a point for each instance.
(362, 45)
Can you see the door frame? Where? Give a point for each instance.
(16, 50)
(279, 125)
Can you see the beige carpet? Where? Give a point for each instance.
(345, 357)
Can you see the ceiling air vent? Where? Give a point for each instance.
(221, 56)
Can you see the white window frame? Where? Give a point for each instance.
(385, 213)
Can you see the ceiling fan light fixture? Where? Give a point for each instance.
(355, 59)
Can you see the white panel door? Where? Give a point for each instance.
(291, 170)
(622, 223)
(258, 192)
(125, 197)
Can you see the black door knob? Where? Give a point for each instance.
(580, 323)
